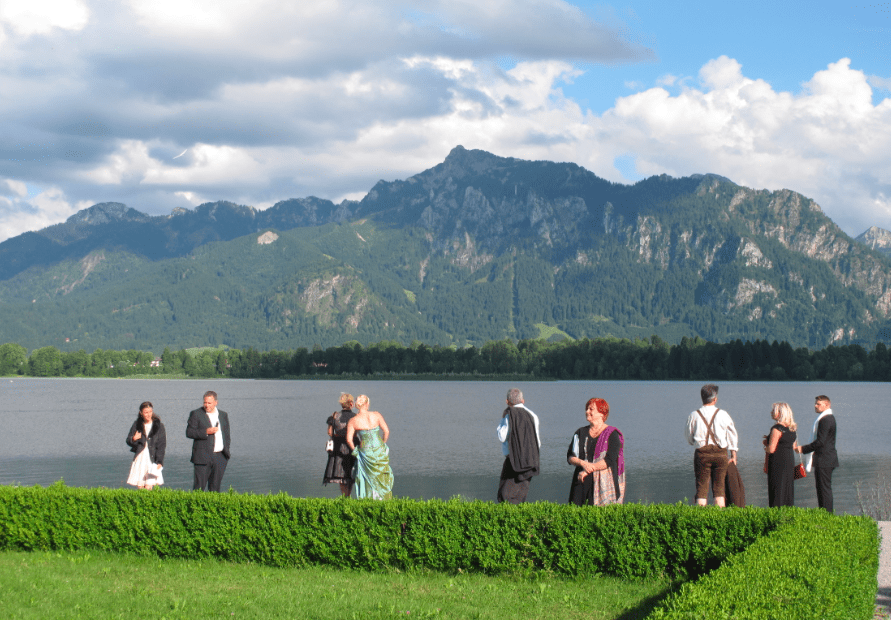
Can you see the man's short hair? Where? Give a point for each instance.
(824, 398)
(211, 393)
(709, 392)
(514, 396)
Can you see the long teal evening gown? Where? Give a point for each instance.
(372, 474)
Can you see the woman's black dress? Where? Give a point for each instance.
(340, 460)
(781, 469)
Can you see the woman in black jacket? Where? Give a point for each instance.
(148, 439)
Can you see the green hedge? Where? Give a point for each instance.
(814, 566)
(752, 561)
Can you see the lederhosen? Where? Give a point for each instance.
(710, 462)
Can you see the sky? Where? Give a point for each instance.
(173, 103)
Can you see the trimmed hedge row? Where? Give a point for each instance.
(627, 541)
(752, 559)
(815, 565)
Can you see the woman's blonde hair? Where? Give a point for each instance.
(362, 400)
(782, 413)
(346, 400)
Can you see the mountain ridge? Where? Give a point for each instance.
(479, 247)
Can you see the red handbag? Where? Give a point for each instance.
(799, 471)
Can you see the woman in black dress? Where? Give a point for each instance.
(340, 460)
(780, 446)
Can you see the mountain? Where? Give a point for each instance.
(876, 238)
(477, 248)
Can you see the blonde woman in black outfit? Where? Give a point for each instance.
(780, 446)
(340, 459)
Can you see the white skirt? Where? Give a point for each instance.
(143, 472)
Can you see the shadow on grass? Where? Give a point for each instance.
(647, 605)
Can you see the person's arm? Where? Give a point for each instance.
(194, 429)
(503, 428)
(611, 460)
(537, 430)
(134, 437)
(227, 433)
(160, 445)
(773, 440)
(350, 431)
(572, 457)
(384, 427)
(732, 438)
(690, 429)
(573, 450)
(821, 439)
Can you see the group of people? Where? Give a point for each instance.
(207, 427)
(597, 453)
(359, 458)
(358, 455)
(712, 431)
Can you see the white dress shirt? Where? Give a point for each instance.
(725, 431)
(218, 436)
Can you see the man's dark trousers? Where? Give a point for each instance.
(211, 475)
(824, 487)
(510, 488)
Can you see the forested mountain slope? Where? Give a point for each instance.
(477, 248)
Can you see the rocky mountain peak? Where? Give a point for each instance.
(876, 238)
(103, 213)
(462, 162)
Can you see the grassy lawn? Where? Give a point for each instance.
(105, 585)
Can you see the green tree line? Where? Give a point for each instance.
(602, 358)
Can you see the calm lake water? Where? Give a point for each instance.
(442, 440)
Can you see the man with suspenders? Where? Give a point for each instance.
(711, 430)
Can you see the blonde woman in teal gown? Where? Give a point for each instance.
(372, 475)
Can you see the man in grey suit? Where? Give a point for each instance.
(824, 458)
(208, 427)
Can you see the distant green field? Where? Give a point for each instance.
(546, 331)
(196, 350)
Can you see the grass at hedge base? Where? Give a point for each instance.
(46, 585)
(769, 559)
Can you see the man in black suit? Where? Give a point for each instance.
(208, 427)
(824, 458)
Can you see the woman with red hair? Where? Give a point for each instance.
(598, 453)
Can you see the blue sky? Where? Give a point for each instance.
(178, 102)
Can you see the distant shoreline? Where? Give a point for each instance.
(344, 377)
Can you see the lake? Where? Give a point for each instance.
(442, 440)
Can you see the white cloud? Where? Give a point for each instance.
(271, 100)
(29, 17)
(14, 188)
(19, 214)
(829, 142)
